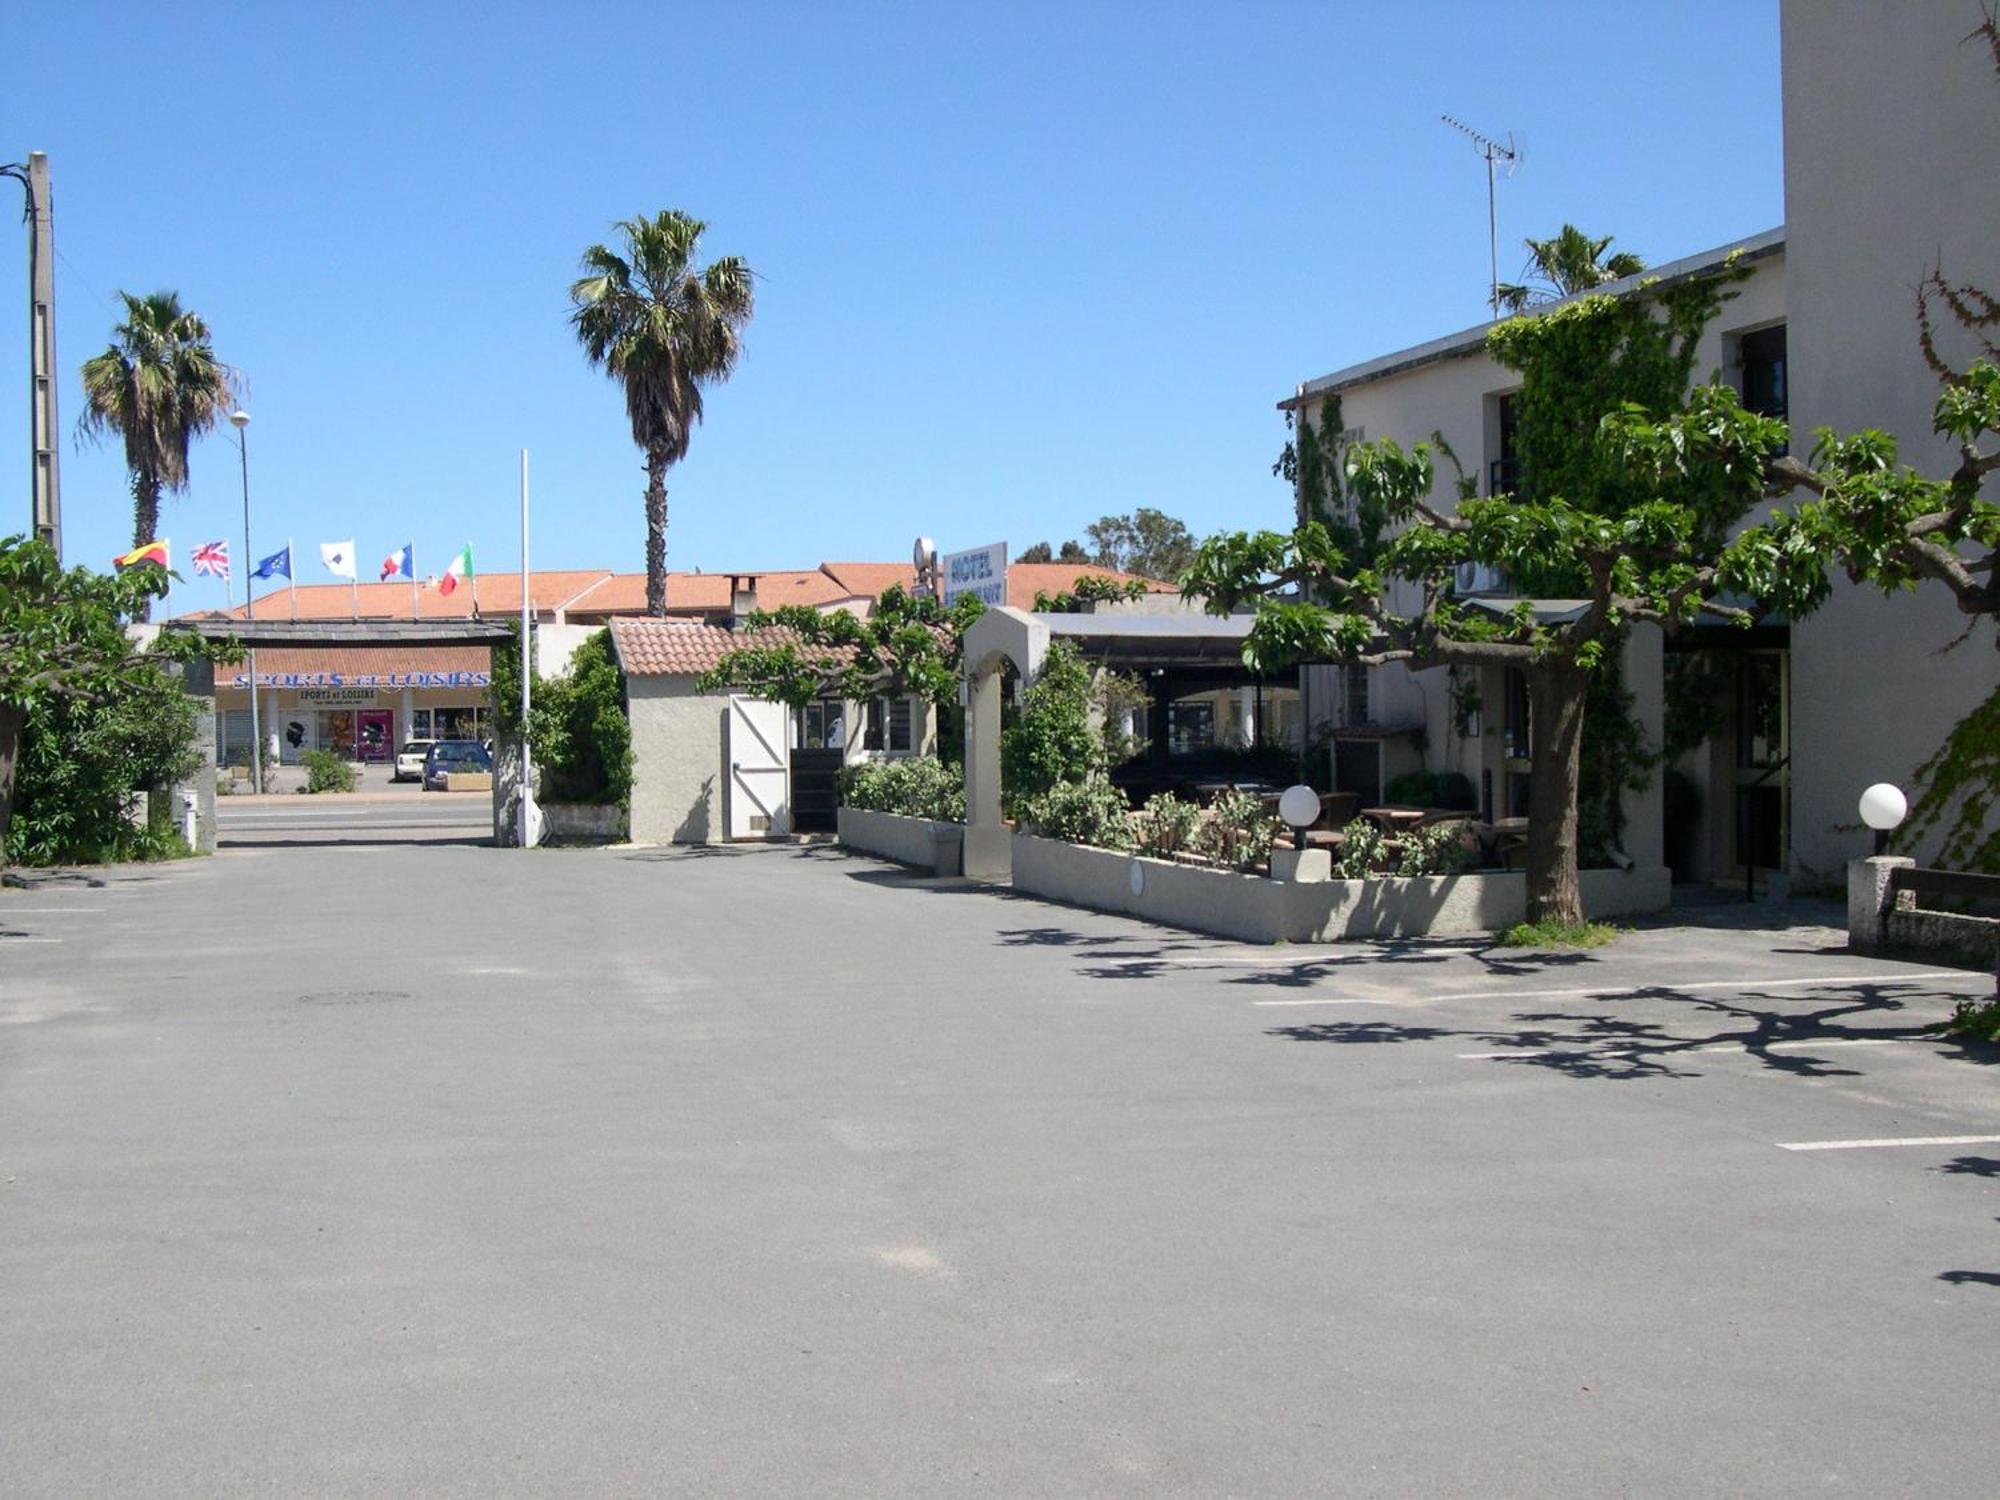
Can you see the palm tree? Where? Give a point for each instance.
(662, 330)
(158, 386)
(1566, 264)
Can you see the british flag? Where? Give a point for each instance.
(212, 558)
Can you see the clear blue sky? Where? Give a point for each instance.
(1020, 266)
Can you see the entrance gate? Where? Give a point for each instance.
(758, 776)
(816, 790)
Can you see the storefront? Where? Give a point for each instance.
(361, 715)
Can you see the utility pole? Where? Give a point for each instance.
(47, 487)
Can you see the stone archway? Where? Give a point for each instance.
(997, 637)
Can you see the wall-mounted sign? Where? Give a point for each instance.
(340, 697)
(363, 679)
(981, 571)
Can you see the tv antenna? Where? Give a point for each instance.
(1493, 152)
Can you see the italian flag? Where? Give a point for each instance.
(459, 570)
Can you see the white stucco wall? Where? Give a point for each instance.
(1892, 126)
(677, 762)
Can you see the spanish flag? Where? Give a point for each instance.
(153, 552)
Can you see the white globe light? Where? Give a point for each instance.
(239, 419)
(1883, 806)
(1299, 806)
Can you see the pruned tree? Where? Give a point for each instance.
(909, 643)
(1636, 482)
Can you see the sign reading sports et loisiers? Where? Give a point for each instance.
(363, 679)
(982, 571)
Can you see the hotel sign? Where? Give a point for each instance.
(981, 571)
(369, 680)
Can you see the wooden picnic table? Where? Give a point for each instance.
(1395, 819)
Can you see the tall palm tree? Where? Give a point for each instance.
(1568, 263)
(158, 386)
(662, 330)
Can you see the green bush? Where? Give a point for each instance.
(1363, 852)
(1090, 811)
(1555, 935)
(1052, 741)
(580, 738)
(327, 771)
(1438, 849)
(1239, 831)
(1167, 826)
(81, 760)
(916, 787)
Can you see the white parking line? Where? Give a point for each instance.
(6, 939)
(43, 911)
(1675, 989)
(1907, 1140)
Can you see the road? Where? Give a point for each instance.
(403, 816)
(368, 1168)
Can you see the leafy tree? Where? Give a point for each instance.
(1889, 526)
(1636, 482)
(1568, 262)
(1053, 740)
(1038, 552)
(158, 386)
(910, 643)
(1073, 552)
(1148, 542)
(1087, 588)
(662, 330)
(86, 716)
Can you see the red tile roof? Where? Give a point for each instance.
(1025, 580)
(704, 593)
(498, 593)
(682, 648)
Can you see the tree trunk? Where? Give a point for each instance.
(1556, 694)
(11, 720)
(146, 523)
(656, 532)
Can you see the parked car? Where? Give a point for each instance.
(447, 756)
(410, 760)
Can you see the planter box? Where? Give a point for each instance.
(936, 847)
(468, 781)
(582, 822)
(1258, 910)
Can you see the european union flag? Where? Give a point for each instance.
(277, 565)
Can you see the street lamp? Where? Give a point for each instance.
(1883, 807)
(1299, 806)
(240, 420)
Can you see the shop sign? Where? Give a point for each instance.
(369, 680)
(345, 697)
(981, 571)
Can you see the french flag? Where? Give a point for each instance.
(399, 564)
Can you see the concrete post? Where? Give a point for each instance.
(1869, 900)
(989, 847)
(198, 678)
(1645, 812)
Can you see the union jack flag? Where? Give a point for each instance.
(212, 558)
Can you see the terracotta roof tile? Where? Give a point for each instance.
(682, 648)
(498, 593)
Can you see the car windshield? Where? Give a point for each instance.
(417, 747)
(457, 752)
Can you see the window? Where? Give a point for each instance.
(899, 724)
(1762, 354)
(871, 735)
(822, 725)
(420, 724)
(1503, 474)
(1354, 695)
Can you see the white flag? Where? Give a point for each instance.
(338, 557)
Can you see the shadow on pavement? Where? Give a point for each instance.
(1596, 1045)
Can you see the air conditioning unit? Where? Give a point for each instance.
(1479, 578)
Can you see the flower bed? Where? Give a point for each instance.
(1258, 910)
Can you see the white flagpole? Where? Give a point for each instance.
(292, 576)
(354, 584)
(415, 611)
(526, 791)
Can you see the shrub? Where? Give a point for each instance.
(1090, 811)
(1239, 831)
(1364, 852)
(327, 771)
(1438, 849)
(1167, 826)
(1052, 741)
(1411, 789)
(581, 738)
(917, 787)
(1556, 935)
(80, 761)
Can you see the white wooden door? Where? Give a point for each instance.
(760, 773)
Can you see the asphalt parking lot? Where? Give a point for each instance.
(339, 1165)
